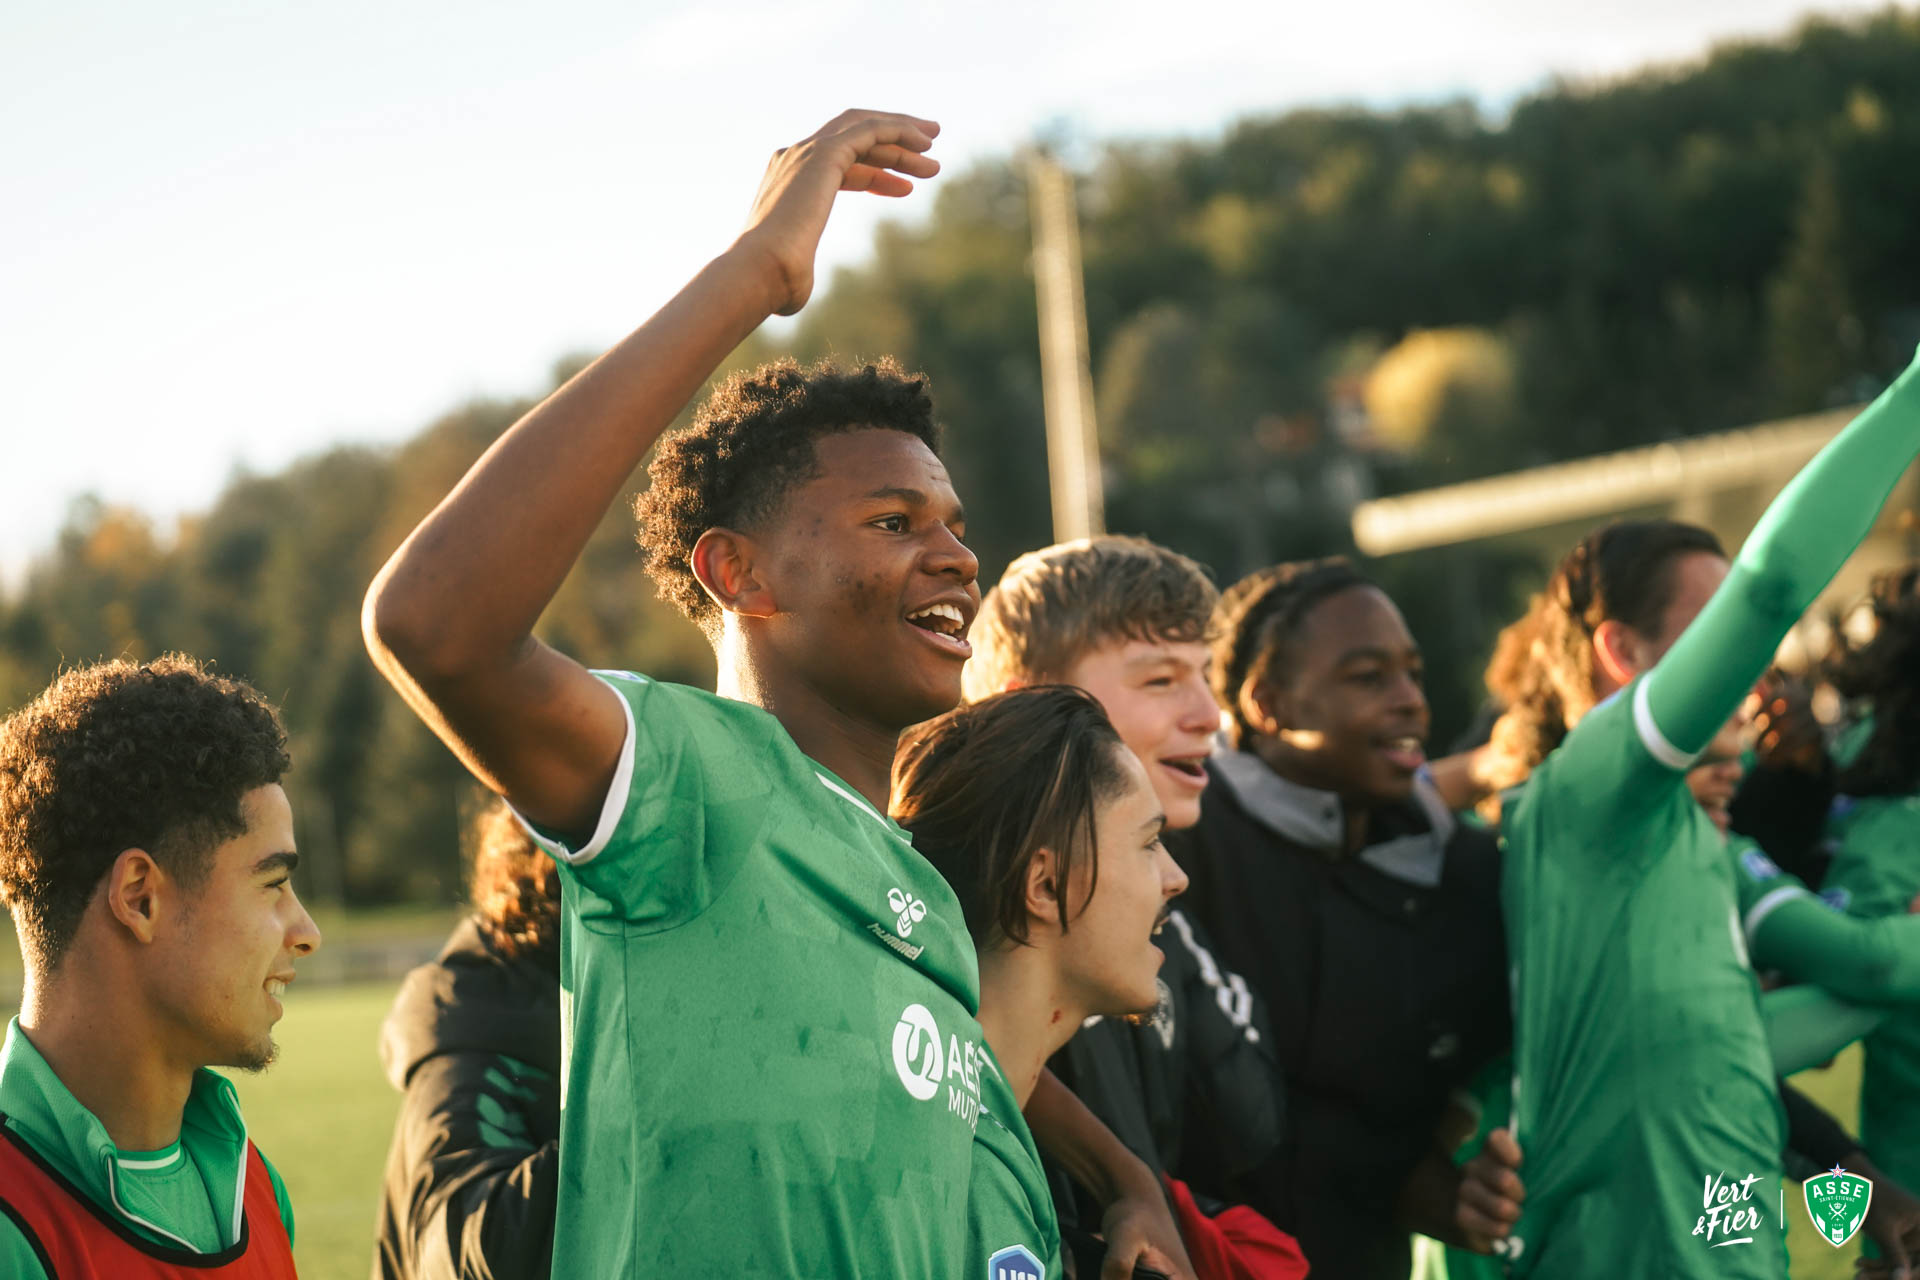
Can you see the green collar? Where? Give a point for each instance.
(41, 1109)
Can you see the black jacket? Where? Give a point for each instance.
(1193, 1090)
(1384, 975)
(472, 1179)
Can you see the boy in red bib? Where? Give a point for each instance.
(145, 852)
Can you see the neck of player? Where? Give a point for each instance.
(1026, 1013)
(110, 1051)
(857, 750)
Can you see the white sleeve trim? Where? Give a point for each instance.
(1652, 739)
(1767, 905)
(610, 809)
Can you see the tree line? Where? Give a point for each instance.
(1310, 309)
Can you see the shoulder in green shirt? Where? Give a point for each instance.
(771, 1063)
(188, 1196)
(1012, 1230)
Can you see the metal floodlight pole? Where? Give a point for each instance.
(1066, 367)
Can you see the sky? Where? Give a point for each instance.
(235, 234)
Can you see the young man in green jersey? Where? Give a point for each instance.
(145, 853)
(767, 995)
(1642, 1072)
(1048, 829)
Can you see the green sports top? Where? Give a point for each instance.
(189, 1195)
(770, 1060)
(1877, 869)
(1012, 1230)
(1643, 1092)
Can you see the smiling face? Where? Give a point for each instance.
(1349, 714)
(873, 587)
(218, 969)
(1156, 694)
(1108, 962)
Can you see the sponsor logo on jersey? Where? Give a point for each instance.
(1836, 898)
(1730, 1214)
(1759, 865)
(911, 911)
(1015, 1262)
(924, 1066)
(1837, 1202)
(916, 1052)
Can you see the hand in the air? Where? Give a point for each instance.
(874, 151)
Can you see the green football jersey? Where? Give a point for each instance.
(1876, 873)
(1012, 1230)
(1644, 1097)
(771, 1063)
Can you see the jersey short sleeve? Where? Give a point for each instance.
(1760, 886)
(1612, 769)
(689, 796)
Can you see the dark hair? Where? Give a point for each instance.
(749, 445)
(1621, 572)
(1886, 671)
(516, 888)
(988, 785)
(1053, 606)
(116, 756)
(1258, 619)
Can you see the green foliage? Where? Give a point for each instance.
(1677, 251)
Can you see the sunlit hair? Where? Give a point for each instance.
(1054, 606)
(516, 887)
(750, 444)
(1257, 621)
(1886, 672)
(1543, 665)
(120, 755)
(987, 786)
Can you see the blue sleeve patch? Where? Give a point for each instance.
(1759, 865)
(1015, 1262)
(1836, 898)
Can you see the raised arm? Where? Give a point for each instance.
(1800, 543)
(449, 619)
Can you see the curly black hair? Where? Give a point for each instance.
(1886, 672)
(123, 755)
(749, 445)
(1257, 619)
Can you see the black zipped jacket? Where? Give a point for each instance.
(472, 1179)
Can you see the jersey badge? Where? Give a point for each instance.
(1836, 898)
(1759, 865)
(1837, 1202)
(1015, 1262)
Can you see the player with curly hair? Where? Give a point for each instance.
(769, 996)
(146, 847)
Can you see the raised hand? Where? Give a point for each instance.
(873, 151)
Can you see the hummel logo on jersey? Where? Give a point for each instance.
(912, 911)
(1015, 1262)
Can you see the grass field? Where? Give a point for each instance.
(324, 1114)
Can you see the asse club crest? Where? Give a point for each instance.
(1837, 1202)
